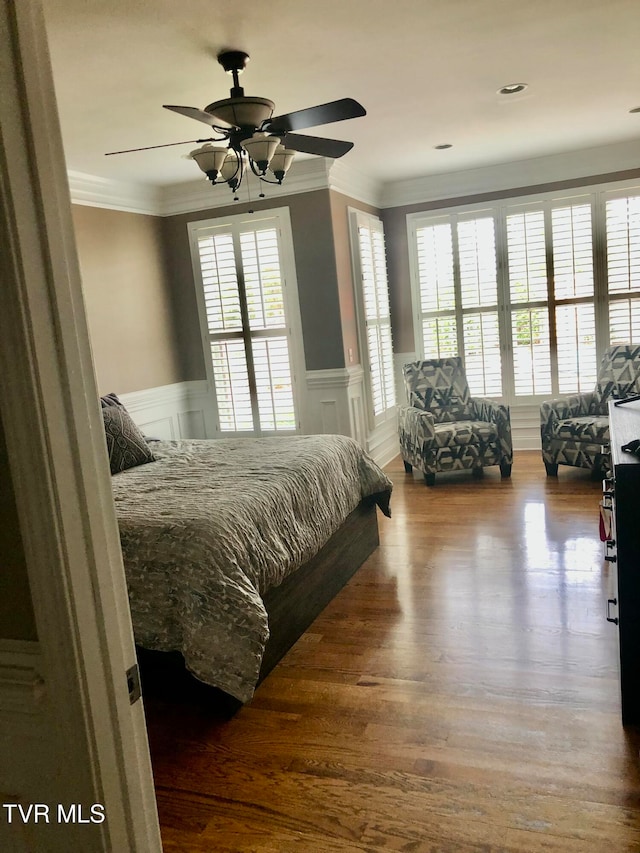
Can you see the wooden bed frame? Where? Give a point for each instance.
(291, 607)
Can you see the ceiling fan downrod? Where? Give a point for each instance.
(234, 62)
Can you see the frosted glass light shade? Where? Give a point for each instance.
(208, 158)
(261, 148)
(230, 165)
(281, 161)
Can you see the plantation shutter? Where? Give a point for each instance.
(623, 269)
(437, 290)
(246, 328)
(530, 332)
(458, 297)
(377, 318)
(557, 300)
(479, 302)
(574, 297)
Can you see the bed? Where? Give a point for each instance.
(231, 547)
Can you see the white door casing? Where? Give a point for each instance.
(55, 439)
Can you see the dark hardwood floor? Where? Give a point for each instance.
(460, 694)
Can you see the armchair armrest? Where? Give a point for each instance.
(561, 408)
(485, 409)
(417, 425)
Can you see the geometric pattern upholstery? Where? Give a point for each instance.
(575, 429)
(126, 445)
(439, 386)
(444, 428)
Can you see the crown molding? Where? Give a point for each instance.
(356, 185)
(319, 173)
(93, 191)
(571, 165)
(305, 176)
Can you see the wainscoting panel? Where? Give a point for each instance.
(336, 403)
(192, 424)
(329, 417)
(181, 410)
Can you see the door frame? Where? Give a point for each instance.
(59, 467)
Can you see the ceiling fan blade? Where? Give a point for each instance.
(319, 145)
(314, 116)
(193, 112)
(166, 145)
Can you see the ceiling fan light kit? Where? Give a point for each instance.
(255, 140)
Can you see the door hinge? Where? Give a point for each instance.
(133, 683)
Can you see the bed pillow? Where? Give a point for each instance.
(126, 445)
(111, 400)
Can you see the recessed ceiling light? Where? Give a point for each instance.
(443, 146)
(512, 88)
(635, 110)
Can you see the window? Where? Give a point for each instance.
(373, 311)
(516, 290)
(623, 268)
(242, 297)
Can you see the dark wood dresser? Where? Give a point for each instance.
(622, 552)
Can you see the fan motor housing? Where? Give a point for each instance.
(242, 112)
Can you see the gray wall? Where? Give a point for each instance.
(311, 225)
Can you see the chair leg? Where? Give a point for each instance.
(430, 479)
(408, 467)
(505, 469)
(552, 468)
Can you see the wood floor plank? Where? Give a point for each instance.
(460, 695)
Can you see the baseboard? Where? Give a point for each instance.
(382, 443)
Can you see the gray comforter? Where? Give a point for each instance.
(211, 525)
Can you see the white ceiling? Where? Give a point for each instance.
(427, 72)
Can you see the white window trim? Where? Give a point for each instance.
(356, 217)
(282, 219)
(598, 194)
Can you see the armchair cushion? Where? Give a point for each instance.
(439, 386)
(591, 428)
(461, 433)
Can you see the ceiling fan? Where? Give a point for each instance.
(254, 138)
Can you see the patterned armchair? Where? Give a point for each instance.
(445, 429)
(575, 429)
